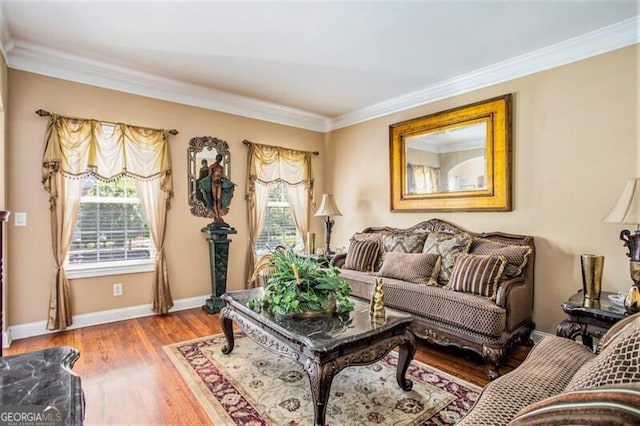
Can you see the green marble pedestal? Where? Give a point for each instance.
(218, 238)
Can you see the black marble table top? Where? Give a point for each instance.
(43, 378)
(322, 333)
(603, 309)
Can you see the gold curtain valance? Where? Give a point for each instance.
(268, 163)
(78, 147)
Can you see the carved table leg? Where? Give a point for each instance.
(587, 341)
(320, 377)
(227, 329)
(569, 329)
(405, 355)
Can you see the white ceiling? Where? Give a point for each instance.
(319, 65)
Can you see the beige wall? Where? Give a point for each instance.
(575, 142)
(31, 263)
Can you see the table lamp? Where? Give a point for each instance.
(627, 211)
(328, 208)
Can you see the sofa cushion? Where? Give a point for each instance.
(460, 310)
(447, 246)
(362, 255)
(517, 256)
(419, 268)
(618, 362)
(477, 274)
(544, 373)
(609, 405)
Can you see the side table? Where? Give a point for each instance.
(42, 382)
(589, 322)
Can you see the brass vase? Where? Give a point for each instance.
(591, 277)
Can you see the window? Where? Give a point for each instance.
(111, 232)
(279, 227)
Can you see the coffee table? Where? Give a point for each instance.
(322, 345)
(591, 320)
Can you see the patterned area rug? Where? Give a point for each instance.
(252, 386)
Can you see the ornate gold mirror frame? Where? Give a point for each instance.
(455, 160)
(201, 155)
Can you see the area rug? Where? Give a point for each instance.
(252, 386)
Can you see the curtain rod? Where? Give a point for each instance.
(43, 113)
(246, 142)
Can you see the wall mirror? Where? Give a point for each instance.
(455, 160)
(202, 153)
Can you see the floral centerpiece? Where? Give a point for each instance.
(296, 285)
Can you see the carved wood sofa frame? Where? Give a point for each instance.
(515, 295)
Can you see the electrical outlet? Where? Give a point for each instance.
(117, 289)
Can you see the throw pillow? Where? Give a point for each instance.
(448, 246)
(603, 406)
(376, 236)
(517, 256)
(419, 268)
(477, 274)
(401, 242)
(405, 243)
(362, 236)
(618, 362)
(362, 255)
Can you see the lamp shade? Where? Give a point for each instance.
(328, 206)
(627, 209)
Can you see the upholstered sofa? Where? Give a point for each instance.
(471, 290)
(562, 382)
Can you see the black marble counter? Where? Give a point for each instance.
(43, 378)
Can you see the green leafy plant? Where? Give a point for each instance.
(297, 285)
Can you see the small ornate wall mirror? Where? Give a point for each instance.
(455, 160)
(205, 152)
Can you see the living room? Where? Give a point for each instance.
(575, 143)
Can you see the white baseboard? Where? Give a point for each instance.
(6, 339)
(22, 331)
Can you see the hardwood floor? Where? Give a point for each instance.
(128, 379)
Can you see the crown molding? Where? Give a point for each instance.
(6, 43)
(612, 37)
(53, 63)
